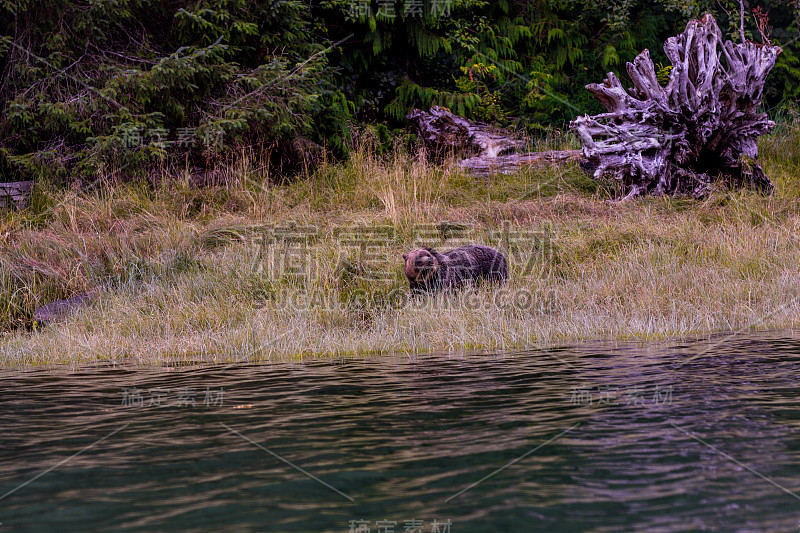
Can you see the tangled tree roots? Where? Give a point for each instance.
(700, 129)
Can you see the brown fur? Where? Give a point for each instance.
(429, 271)
(420, 265)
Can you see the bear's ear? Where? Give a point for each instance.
(405, 256)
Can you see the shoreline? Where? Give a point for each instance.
(314, 267)
(715, 340)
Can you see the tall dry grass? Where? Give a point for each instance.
(209, 273)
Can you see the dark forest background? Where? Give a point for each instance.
(105, 88)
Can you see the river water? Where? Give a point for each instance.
(696, 436)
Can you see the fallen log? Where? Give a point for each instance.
(486, 149)
(15, 194)
(60, 309)
(699, 130)
(483, 165)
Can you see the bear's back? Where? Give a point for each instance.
(474, 262)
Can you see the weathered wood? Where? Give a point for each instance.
(444, 134)
(506, 164)
(15, 186)
(486, 149)
(15, 193)
(698, 130)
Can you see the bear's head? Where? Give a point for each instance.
(421, 265)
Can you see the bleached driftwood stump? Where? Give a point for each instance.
(699, 129)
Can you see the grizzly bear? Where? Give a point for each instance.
(429, 271)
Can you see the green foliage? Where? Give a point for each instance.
(122, 86)
(116, 87)
(662, 73)
(476, 79)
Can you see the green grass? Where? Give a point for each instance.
(250, 270)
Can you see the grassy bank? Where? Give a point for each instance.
(247, 270)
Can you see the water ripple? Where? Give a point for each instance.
(663, 439)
